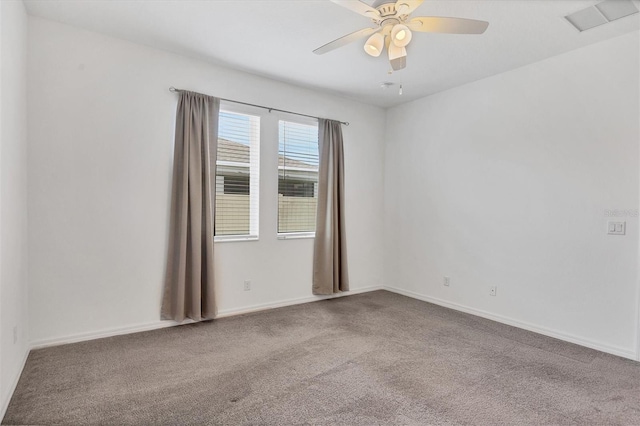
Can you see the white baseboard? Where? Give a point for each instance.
(288, 302)
(14, 383)
(625, 353)
(99, 334)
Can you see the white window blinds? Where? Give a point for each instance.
(297, 177)
(237, 176)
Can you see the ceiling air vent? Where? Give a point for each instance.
(601, 13)
(616, 9)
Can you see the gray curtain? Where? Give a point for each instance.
(188, 291)
(330, 246)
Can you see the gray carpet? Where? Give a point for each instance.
(374, 358)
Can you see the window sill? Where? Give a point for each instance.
(234, 238)
(296, 235)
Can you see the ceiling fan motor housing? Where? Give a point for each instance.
(385, 22)
(387, 10)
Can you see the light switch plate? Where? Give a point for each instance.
(616, 228)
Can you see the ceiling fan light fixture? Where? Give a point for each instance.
(374, 45)
(401, 35)
(397, 57)
(396, 52)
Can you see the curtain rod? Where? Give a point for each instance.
(174, 90)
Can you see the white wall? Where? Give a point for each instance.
(505, 182)
(100, 155)
(13, 196)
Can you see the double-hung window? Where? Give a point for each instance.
(237, 176)
(298, 162)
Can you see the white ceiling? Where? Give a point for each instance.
(275, 38)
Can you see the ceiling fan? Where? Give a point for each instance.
(393, 28)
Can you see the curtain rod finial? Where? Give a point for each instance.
(172, 89)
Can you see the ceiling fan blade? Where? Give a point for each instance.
(438, 24)
(342, 41)
(358, 7)
(405, 7)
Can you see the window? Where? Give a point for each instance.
(297, 177)
(236, 184)
(237, 176)
(296, 188)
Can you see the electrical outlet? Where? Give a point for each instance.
(616, 228)
(493, 290)
(447, 281)
(15, 334)
(247, 285)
